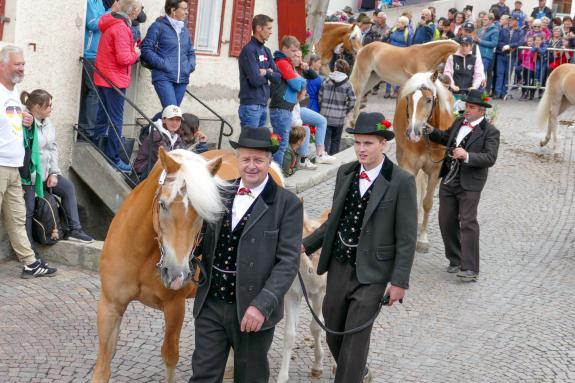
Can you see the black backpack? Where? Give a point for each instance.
(48, 220)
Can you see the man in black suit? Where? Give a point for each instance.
(368, 241)
(252, 257)
(472, 145)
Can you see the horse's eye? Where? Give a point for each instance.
(163, 205)
(429, 100)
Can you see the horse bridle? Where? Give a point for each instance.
(195, 262)
(426, 132)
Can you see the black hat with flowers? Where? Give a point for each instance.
(257, 138)
(372, 123)
(476, 97)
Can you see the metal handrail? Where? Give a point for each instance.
(222, 120)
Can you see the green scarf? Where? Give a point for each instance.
(31, 143)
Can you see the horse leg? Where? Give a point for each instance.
(229, 372)
(292, 307)
(316, 303)
(421, 187)
(174, 311)
(109, 320)
(423, 242)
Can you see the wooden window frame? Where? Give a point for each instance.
(192, 22)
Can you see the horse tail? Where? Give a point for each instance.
(543, 109)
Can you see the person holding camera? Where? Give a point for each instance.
(425, 30)
(473, 144)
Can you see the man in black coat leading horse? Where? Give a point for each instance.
(472, 145)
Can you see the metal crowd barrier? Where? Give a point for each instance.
(528, 70)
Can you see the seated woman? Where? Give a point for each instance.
(41, 170)
(164, 134)
(192, 137)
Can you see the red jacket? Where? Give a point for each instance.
(116, 52)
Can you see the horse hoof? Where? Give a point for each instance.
(333, 370)
(316, 374)
(422, 247)
(229, 374)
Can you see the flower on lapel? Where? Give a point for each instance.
(383, 125)
(275, 139)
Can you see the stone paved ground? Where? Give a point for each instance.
(515, 325)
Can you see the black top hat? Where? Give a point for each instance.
(372, 123)
(474, 97)
(255, 138)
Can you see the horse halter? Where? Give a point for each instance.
(158, 204)
(428, 147)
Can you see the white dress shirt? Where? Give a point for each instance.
(464, 131)
(243, 202)
(372, 174)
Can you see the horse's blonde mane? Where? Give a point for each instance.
(440, 42)
(202, 190)
(423, 80)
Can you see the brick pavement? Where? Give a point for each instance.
(515, 325)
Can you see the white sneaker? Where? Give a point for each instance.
(306, 165)
(325, 159)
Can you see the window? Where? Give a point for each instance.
(205, 24)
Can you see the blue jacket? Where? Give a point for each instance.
(516, 38)
(520, 16)
(284, 93)
(94, 11)
(255, 88)
(400, 37)
(423, 34)
(488, 39)
(172, 58)
(313, 87)
(503, 40)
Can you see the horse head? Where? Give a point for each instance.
(187, 195)
(423, 94)
(352, 39)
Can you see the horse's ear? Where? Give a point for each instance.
(168, 163)
(214, 165)
(435, 75)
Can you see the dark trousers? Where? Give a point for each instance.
(217, 328)
(114, 106)
(170, 93)
(67, 193)
(90, 104)
(349, 304)
(459, 226)
(501, 78)
(333, 139)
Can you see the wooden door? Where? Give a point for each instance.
(292, 19)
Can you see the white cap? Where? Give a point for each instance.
(172, 111)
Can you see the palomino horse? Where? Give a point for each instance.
(333, 35)
(146, 252)
(315, 285)
(559, 95)
(384, 62)
(422, 100)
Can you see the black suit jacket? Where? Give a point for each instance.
(267, 255)
(388, 232)
(482, 146)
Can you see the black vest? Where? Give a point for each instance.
(463, 69)
(349, 227)
(454, 166)
(224, 268)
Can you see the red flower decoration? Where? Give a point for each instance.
(383, 125)
(487, 99)
(275, 139)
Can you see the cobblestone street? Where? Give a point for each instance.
(515, 325)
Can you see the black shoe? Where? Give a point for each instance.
(367, 376)
(79, 235)
(468, 275)
(452, 269)
(37, 269)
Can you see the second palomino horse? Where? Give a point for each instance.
(559, 95)
(422, 100)
(334, 34)
(384, 62)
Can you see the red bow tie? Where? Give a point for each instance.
(467, 123)
(364, 176)
(244, 191)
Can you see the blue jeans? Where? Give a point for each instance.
(169, 92)
(312, 118)
(281, 123)
(502, 68)
(114, 105)
(253, 115)
(91, 102)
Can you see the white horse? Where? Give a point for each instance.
(315, 286)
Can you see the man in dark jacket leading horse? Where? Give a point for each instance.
(252, 257)
(368, 241)
(472, 145)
